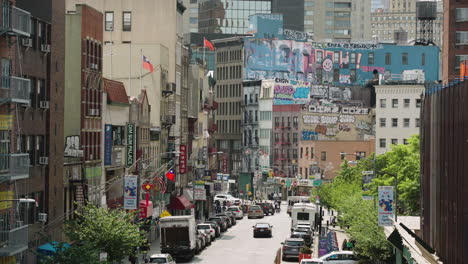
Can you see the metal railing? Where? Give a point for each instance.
(14, 166)
(15, 89)
(14, 241)
(14, 20)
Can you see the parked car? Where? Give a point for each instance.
(208, 229)
(304, 235)
(206, 238)
(262, 229)
(236, 211)
(227, 219)
(255, 211)
(237, 202)
(341, 257)
(221, 221)
(161, 259)
(224, 199)
(215, 226)
(268, 208)
(303, 228)
(231, 216)
(291, 247)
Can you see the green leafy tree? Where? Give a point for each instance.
(110, 231)
(87, 253)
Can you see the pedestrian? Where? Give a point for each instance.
(132, 258)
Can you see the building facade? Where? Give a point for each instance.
(250, 128)
(293, 13)
(397, 115)
(190, 20)
(455, 48)
(265, 125)
(339, 21)
(229, 17)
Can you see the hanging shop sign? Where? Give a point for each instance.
(183, 159)
(130, 144)
(386, 212)
(130, 192)
(108, 145)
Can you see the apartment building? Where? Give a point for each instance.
(265, 124)
(397, 114)
(250, 128)
(455, 44)
(340, 21)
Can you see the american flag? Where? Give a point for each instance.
(159, 184)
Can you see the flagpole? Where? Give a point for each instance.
(204, 49)
(141, 69)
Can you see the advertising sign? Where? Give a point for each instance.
(6, 122)
(200, 193)
(183, 159)
(225, 164)
(130, 192)
(108, 145)
(130, 144)
(385, 205)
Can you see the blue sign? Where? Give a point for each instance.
(108, 145)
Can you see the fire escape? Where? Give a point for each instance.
(14, 91)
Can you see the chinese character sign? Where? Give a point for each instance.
(386, 211)
(183, 159)
(108, 145)
(130, 191)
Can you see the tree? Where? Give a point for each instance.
(86, 253)
(110, 231)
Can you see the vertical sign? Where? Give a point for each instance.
(225, 164)
(183, 159)
(108, 145)
(130, 144)
(130, 191)
(385, 205)
(199, 192)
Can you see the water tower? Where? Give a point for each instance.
(426, 14)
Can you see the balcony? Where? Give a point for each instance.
(15, 89)
(14, 166)
(168, 120)
(14, 20)
(14, 241)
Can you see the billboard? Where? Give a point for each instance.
(130, 192)
(386, 212)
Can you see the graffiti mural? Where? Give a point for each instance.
(290, 92)
(330, 92)
(309, 135)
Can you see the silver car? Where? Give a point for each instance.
(255, 211)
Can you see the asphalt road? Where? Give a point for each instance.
(237, 245)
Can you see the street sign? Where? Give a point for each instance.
(367, 172)
(294, 183)
(317, 182)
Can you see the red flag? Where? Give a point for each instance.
(147, 64)
(207, 43)
(170, 175)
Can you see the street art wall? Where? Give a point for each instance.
(336, 63)
(291, 92)
(330, 121)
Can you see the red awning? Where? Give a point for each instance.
(180, 203)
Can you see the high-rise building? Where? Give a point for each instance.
(293, 13)
(379, 5)
(455, 44)
(341, 21)
(230, 17)
(190, 16)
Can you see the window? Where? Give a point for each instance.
(461, 14)
(319, 56)
(394, 122)
(336, 75)
(383, 103)
(388, 58)
(109, 21)
(404, 58)
(382, 143)
(127, 21)
(353, 58)
(417, 122)
(323, 156)
(459, 59)
(118, 134)
(423, 59)
(405, 141)
(394, 103)
(295, 122)
(294, 137)
(406, 122)
(336, 57)
(418, 103)
(383, 122)
(406, 103)
(394, 141)
(352, 75)
(370, 58)
(309, 13)
(302, 152)
(193, 20)
(360, 155)
(461, 37)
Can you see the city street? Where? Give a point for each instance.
(237, 245)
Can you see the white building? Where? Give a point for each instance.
(265, 125)
(397, 114)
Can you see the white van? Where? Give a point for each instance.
(303, 214)
(296, 199)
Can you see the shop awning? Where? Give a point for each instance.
(180, 203)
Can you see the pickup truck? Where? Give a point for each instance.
(179, 236)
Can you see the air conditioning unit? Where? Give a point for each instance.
(45, 48)
(26, 42)
(43, 160)
(42, 217)
(44, 104)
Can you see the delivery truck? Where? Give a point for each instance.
(179, 236)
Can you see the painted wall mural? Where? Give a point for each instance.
(290, 92)
(330, 121)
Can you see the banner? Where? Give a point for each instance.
(130, 144)
(183, 159)
(225, 163)
(108, 145)
(386, 212)
(200, 193)
(130, 192)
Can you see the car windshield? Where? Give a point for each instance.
(203, 227)
(300, 233)
(233, 209)
(262, 225)
(256, 207)
(294, 243)
(158, 260)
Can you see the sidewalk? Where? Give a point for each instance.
(155, 248)
(340, 233)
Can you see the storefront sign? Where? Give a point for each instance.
(200, 193)
(183, 159)
(108, 145)
(130, 144)
(130, 192)
(6, 122)
(225, 164)
(385, 205)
